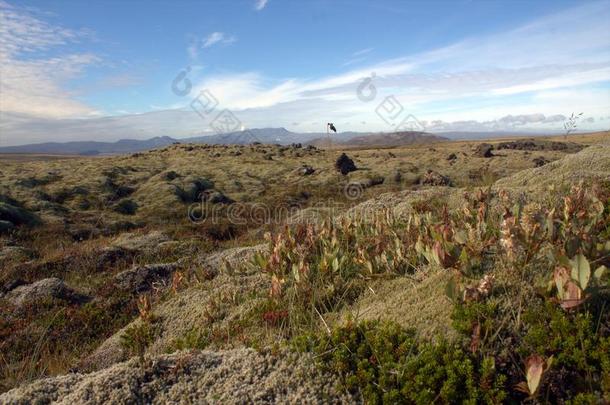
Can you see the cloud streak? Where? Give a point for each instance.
(260, 4)
(35, 86)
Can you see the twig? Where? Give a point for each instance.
(323, 321)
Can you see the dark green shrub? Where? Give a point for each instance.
(126, 207)
(388, 365)
(138, 337)
(579, 344)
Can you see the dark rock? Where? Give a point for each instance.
(141, 278)
(193, 189)
(541, 144)
(345, 165)
(540, 161)
(126, 207)
(11, 285)
(432, 178)
(374, 181)
(483, 150)
(110, 256)
(170, 175)
(6, 226)
(12, 216)
(83, 232)
(306, 170)
(32, 182)
(116, 191)
(216, 197)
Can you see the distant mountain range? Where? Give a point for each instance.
(262, 135)
(380, 139)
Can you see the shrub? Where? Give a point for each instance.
(388, 365)
(138, 337)
(126, 207)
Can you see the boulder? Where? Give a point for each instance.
(540, 161)
(483, 150)
(141, 278)
(14, 216)
(138, 243)
(432, 178)
(43, 289)
(217, 197)
(374, 181)
(305, 170)
(345, 165)
(192, 188)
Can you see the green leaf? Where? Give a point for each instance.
(452, 290)
(460, 237)
(335, 264)
(599, 272)
(581, 271)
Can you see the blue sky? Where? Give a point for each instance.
(75, 70)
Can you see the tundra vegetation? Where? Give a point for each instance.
(469, 272)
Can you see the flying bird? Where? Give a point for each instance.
(332, 127)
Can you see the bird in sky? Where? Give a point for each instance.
(332, 127)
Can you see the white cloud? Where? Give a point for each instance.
(217, 38)
(260, 4)
(35, 86)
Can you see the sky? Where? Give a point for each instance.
(107, 70)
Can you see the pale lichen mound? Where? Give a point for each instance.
(227, 377)
(592, 163)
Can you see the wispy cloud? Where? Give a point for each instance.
(260, 4)
(361, 52)
(217, 38)
(35, 86)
